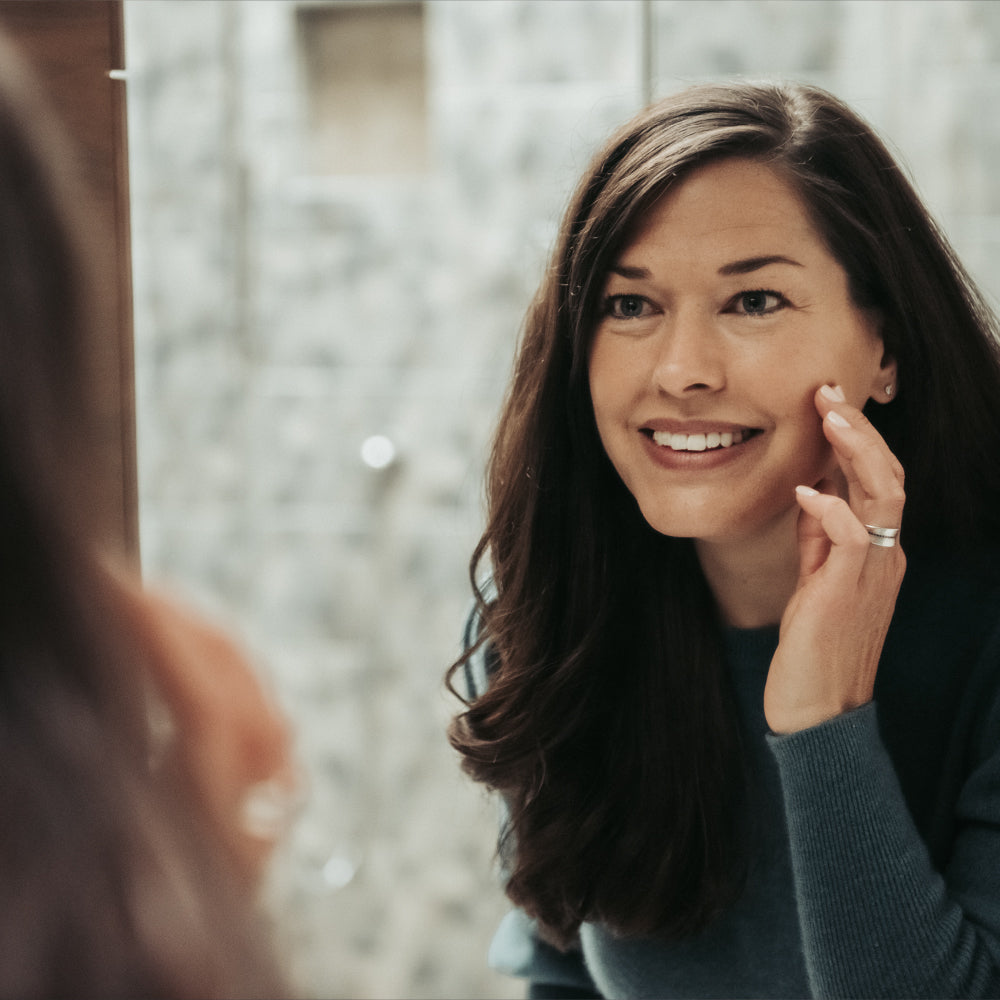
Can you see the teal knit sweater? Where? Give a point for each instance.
(876, 870)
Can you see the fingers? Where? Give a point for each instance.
(235, 742)
(230, 739)
(830, 537)
(874, 475)
(834, 626)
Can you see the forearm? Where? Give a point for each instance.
(876, 918)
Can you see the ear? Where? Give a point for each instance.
(885, 385)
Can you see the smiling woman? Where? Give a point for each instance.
(745, 746)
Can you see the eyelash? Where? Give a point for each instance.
(613, 302)
(782, 301)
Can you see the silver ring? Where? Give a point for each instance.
(883, 537)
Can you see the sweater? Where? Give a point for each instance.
(876, 866)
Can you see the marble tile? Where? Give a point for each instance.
(283, 318)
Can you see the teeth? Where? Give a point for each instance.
(697, 442)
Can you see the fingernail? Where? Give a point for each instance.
(836, 419)
(834, 393)
(806, 491)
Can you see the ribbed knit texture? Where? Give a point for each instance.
(876, 918)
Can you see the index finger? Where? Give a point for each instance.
(874, 475)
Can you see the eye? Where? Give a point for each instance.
(625, 306)
(760, 302)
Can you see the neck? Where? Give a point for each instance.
(753, 579)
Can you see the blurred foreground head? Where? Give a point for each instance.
(114, 879)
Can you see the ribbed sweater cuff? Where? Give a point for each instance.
(872, 910)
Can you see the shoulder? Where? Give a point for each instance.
(948, 599)
(943, 647)
(938, 683)
(941, 662)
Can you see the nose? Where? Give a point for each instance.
(690, 357)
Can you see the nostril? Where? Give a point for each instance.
(690, 387)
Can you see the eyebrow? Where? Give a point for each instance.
(755, 264)
(746, 266)
(632, 273)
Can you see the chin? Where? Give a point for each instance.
(674, 525)
(714, 525)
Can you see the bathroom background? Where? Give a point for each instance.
(340, 211)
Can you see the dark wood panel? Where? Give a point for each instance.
(72, 46)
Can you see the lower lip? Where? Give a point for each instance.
(698, 461)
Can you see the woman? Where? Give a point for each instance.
(745, 746)
(130, 860)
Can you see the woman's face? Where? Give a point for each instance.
(719, 322)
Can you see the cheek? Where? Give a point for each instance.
(609, 431)
(607, 380)
(860, 357)
(816, 455)
(803, 428)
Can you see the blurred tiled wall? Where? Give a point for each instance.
(285, 316)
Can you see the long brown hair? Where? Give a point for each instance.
(113, 884)
(608, 723)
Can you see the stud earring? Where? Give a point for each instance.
(890, 389)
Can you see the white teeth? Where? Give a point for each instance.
(697, 442)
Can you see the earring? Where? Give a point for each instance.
(890, 389)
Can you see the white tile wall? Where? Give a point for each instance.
(282, 319)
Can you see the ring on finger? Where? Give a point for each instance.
(883, 537)
(267, 808)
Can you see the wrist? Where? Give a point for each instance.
(785, 719)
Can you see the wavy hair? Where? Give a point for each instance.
(608, 724)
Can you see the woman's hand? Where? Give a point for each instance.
(834, 626)
(232, 745)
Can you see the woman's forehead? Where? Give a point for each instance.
(728, 213)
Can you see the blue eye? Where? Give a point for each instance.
(625, 306)
(759, 302)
